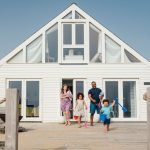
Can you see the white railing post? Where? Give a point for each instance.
(146, 97)
(11, 125)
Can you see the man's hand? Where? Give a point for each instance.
(93, 100)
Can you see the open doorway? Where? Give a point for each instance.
(75, 86)
(69, 82)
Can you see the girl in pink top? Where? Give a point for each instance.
(65, 101)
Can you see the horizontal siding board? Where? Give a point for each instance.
(51, 75)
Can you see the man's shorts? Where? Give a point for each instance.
(93, 108)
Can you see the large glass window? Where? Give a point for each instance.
(73, 42)
(112, 50)
(34, 51)
(111, 88)
(18, 86)
(67, 34)
(18, 58)
(32, 99)
(129, 99)
(79, 33)
(95, 44)
(52, 44)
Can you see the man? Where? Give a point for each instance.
(95, 97)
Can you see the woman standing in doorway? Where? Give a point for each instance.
(66, 98)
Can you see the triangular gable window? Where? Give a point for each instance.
(129, 58)
(112, 50)
(18, 58)
(52, 44)
(68, 16)
(34, 51)
(95, 44)
(78, 16)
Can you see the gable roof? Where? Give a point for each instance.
(73, 7)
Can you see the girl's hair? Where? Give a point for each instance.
(79, 95)
(106, 100)
(62, 89)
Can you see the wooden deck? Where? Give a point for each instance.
(55, 136)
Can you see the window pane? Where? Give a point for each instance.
(113, 51)
(79, 33)
(129, 58)
(18, 58)
(111, 88)
(129, 99)
(32, 99)
(79, 87)
(67, 34)
(78, 16)
(95, 45)
(73, 54)
(52, 44)
(17, 85)
(68, 16)
(34, 51)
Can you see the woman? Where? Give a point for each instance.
(65, 98)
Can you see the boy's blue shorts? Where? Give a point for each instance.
(93, 108)
(107, 121)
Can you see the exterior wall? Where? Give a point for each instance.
(51, 76)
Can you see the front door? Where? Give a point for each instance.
(76, 86)
(29, 98)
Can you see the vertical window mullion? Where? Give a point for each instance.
(73, 34)
(120, 99)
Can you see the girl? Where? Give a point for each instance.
(65, 98)
(79, 108)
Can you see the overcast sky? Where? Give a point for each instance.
(128, 19)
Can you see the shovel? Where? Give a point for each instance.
(124, 109)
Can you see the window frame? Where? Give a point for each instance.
(74, 45)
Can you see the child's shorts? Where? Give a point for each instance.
(107, 121)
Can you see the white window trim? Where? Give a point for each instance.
(120, 97)
(74, 45)
(23, 105)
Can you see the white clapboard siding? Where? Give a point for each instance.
(52, 74)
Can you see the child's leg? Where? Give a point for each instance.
(105, 127)
(108, 127)
(79, 121)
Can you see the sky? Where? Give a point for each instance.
(128, 19)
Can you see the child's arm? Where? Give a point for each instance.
(101, 111)
(113, 103)
(85, 105)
